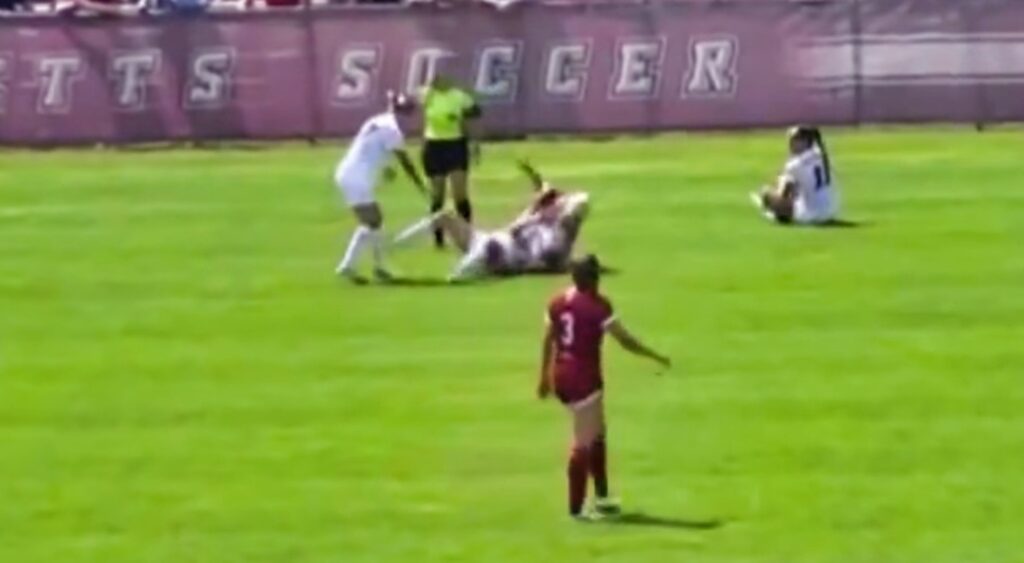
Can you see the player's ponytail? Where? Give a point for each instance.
(818, 139)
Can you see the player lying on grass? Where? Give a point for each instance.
(577, 320)
(357, 175)
(805, 192)
(539, 240)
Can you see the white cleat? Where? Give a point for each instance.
(352, 276)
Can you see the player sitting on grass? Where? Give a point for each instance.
(805, 192)
(539, 240)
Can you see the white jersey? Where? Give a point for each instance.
(816, 199)
(539, 241)
(377, 139)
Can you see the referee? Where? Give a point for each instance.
(447, 112)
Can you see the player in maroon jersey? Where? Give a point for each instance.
(577, 320)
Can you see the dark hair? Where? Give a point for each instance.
(586, 272)
(813, 136)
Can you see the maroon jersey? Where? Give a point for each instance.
(578, 320)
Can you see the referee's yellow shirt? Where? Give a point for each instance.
(444, 113)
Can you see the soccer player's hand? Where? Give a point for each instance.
(664, 362)
(543, 390)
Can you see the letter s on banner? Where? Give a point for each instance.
(566, 69)
(209, 78)
(132, 72)
(55, 76)
(497, 75)
(638, 68)
(712, 72)
(355, 81)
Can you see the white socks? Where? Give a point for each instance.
(416, 230)
(362, 237)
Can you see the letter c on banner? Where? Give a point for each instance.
(497, 76)
(566, 70)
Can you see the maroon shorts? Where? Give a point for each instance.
(575, 388)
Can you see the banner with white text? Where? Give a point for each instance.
(536, 69)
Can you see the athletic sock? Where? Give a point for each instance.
(436, 206)
(465, 209)
(355, 247)
(373, 239)
(599, 466)
(577, 472)
(416, 230)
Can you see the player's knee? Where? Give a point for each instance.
(579, 205)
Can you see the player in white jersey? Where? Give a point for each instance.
(805, 192)
(540, 239)
(357, 175)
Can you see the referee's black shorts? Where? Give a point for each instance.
(441, 158)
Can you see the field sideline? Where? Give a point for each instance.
(182, 378)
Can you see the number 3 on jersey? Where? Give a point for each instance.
(568, 324)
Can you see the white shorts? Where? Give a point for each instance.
(356, 189)
(477, 253)
(819, 212)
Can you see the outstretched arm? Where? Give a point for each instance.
(535, 178)
(410, 170)
(633, 345)
(547, 351)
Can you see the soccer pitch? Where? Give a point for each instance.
(183, 379)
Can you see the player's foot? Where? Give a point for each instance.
(352, 276)
(759, 202)
(608, 506)
(383, 276)
(588, 516)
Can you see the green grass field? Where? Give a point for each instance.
(183, 379)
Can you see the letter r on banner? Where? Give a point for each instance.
(712, 70)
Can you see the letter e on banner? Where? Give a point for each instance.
(566, 70)
(638, 68)
(55, 76)
(355, 80)
(422, 66)
(209, 78)
(712, 72)
(497, 73)
(132, 72)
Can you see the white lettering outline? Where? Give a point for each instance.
(518, 46)
(691, 53)
(661, 41)
(151, 79)
(191, 82)
(374, 72)
(584, 76)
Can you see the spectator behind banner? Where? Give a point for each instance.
(183, 7)
(109, 8)
(15, 6)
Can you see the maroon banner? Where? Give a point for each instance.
(612, 67)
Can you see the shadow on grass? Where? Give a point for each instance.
(644, 519)
(842, 224)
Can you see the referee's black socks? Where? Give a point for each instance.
(435, 206)
(465, 210)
